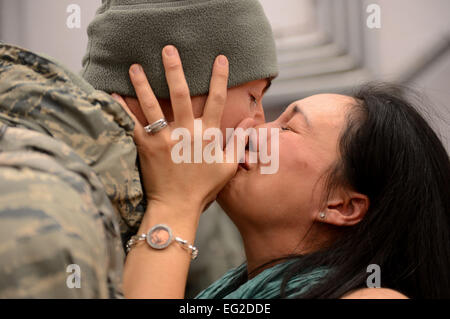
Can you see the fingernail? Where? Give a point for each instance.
(115, 96)
(222, 60)
(136, 69)
(169, 50)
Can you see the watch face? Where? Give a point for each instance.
(159, 237)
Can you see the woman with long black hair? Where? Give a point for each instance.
(363, 181)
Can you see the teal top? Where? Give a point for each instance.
(266, 285)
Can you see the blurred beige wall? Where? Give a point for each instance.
(40, 25)
(409, 29)
(407, 49)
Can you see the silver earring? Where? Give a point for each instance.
(322, 215)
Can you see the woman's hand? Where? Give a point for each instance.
(177, 193)
(164, 180)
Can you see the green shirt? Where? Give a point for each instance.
(266, 285)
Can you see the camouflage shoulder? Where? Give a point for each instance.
(40, 94)
(58, 234)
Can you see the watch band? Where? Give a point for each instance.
(160, 237)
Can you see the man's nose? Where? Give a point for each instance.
(259, 115)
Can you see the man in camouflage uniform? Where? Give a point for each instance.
(66, 155)
(67, 172)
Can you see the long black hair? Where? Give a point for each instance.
(389, 153)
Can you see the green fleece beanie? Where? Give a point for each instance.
(125, 32)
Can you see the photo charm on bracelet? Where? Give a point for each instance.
(160, 237)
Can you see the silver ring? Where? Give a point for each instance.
(156, 126)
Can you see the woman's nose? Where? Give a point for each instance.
(268, 125)
(255, 139)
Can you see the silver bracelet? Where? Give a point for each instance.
(160, 237)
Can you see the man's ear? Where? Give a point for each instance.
(344, 208)
(198, 105)
(133, 105)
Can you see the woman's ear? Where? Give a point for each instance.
(344, 208)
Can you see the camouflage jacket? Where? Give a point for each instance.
(70, 191)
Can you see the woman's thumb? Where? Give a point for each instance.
(236, 143)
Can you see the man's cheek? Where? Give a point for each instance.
(232, 118)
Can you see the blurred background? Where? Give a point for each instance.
(323, 46)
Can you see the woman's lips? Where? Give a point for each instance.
(245, 165)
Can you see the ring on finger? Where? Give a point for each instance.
(156, 126)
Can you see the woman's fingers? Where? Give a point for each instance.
(179, 90)
(145, 95)
(217, 98)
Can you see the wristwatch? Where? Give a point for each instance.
(160, 237)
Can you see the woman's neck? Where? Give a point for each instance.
(266, 248)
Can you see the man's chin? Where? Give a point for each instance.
(224, 194)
